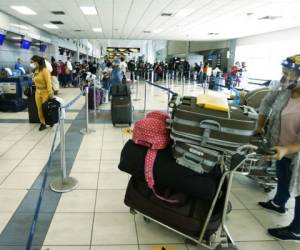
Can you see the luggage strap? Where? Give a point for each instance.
(214, 126)
(149, 177)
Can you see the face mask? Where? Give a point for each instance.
(32, 65)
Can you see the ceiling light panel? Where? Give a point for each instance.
(184, 12)
(23, 9)
(51, 26)
(97, 30)
(157, 31)
(88, 10)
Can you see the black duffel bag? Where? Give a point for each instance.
(51, 111)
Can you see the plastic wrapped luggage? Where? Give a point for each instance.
(51, 111)
(210, 128)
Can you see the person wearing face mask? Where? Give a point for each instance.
(43, 83)
(282, 108)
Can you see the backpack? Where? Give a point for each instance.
(152, 133)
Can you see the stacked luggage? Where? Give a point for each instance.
(184, 184)
(121, 105)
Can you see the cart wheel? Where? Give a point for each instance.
(114, 124)
(229, 247)
(147, 220)
(129, 124)
(132, 211)
(190, 242)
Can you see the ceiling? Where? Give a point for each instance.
(128, 19)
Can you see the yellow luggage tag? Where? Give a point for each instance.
(218, 103)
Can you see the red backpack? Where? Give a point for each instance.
(152, 132)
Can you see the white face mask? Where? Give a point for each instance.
(32, 65)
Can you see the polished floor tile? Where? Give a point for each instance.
(114, 228)
(111, 201)
(66, 228)
(10, 199)
(112, 181)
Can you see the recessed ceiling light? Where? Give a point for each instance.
(88, 10)
(16, 38)
(23, 9)
(184, 12)
(97, 29)
(51, 26)
(157, 31)
(166, 14)
(58, 12)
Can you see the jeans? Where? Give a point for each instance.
(284, 174)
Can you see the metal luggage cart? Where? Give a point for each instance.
(227, 243)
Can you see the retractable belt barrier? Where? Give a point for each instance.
(64, 183)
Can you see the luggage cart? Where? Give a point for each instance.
(221, 201)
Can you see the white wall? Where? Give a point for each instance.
(264, 53)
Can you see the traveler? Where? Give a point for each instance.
(42, 81)
(283, 132)
(68, 71)
(123, 66)
(54, 74)
(19, 66)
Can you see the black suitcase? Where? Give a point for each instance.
(51, 111)
(120, 90)
(121, 110)
(188, 217)
(32, 110)
(11, 103)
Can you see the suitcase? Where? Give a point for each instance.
(98, 95)
(121, 110)
(198, 159)
(51, 111)
(209, 128)
(32, 110)
(120, 90)
(188, 217)
(11, 103)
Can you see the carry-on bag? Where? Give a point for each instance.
(32, 110)
(121, 110)
(51, 111)
(98, 95)
(210, 128)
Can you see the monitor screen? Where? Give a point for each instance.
(2, 38)
(25, 44)
(43, 47)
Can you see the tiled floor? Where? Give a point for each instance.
(93, 217)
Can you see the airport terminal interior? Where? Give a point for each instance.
(149, 125)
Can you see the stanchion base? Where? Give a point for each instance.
(86, 132)
(63, 186)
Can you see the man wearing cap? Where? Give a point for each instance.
(282, 107)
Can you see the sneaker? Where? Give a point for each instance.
(284, 233)
(42, 127)
(271, 206)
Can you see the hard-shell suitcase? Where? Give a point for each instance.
(121, 110)
(32, 110)
(188, 217)
(196, 158)
(210, 128)
(51, 111)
